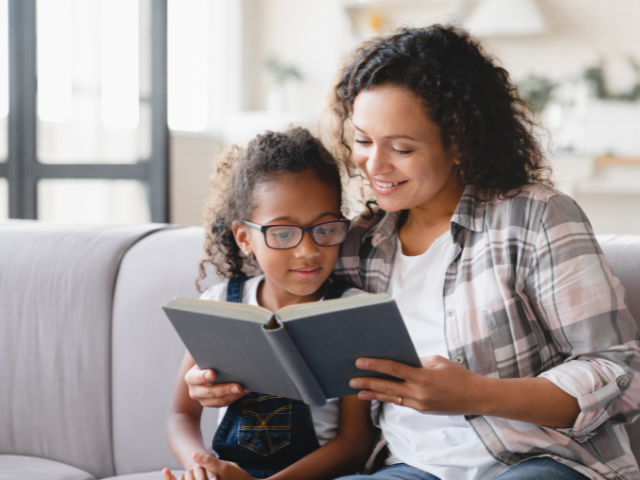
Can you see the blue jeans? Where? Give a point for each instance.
(538, 469)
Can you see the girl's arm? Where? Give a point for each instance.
(182, 427)
(345, 454)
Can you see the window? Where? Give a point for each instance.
(90, 143)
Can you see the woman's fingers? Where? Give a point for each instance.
(396, 369)
(396, 400)
(379, 386)
(372, 387)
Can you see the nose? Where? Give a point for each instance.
(307, 247)
(377, 162)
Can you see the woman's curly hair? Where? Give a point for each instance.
(237, 175)
(482, 118)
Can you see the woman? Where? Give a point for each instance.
(521, 325)
(528, 350)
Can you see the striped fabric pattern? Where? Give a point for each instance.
(529, 293)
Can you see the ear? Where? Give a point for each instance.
(243, 239)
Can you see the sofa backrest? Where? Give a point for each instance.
(56, 293)
(623, 253)
(146, 351)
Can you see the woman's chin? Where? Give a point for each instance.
(392, 205)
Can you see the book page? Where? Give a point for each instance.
(238, 311)
(293, 312)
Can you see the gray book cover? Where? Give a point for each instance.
(308, 355)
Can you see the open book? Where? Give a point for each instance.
(305, 352)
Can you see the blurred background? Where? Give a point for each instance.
(112, 111)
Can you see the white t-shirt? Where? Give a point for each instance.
(443, 445)
(325, 418)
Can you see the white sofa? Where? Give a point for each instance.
(87, 359)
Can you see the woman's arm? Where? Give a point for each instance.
(441, 386)
(580, 305)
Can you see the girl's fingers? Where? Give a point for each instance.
(208, 461)
(200, 473)
(218, 402)
(167, 475)
(195, 376)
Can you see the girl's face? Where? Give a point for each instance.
(292, 199)
(400, 149)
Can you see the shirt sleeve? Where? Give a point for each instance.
(581, 304)
(216, 292)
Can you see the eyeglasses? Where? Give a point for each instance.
(284, 237)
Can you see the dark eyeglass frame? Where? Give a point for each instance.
(264, 228)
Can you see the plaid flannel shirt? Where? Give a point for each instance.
(529, 293)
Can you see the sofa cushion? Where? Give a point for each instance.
(146, 350)
(19, 467)
(144, 476)
(56, 292)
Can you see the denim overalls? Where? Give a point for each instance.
(262, 433)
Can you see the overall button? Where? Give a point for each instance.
(501, 456)
(459, 360)
(623, 383)
(450, 312)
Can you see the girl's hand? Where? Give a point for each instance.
(197, 473)
(220, 395)
(221, 470)
(167, 475)
(440, 386)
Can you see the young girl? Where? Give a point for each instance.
(276, 209)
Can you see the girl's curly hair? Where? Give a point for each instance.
(237, 175)
(482, 118)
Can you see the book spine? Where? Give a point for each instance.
(295, 366)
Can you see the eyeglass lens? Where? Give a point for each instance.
(325, 234)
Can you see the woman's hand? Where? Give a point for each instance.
(220, 395)
(219, 469)
(443, 387)
(440, 386)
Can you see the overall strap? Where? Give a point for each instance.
(235, 288)
(336, 289)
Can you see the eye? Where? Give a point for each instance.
(282, 235)
(403, 152)
(362, 142)
(325, 230)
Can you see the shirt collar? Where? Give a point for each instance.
(468, 214)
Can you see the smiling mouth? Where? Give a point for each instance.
(388, 184)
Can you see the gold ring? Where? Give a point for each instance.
(400, 401)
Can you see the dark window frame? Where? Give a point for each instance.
(22, 169)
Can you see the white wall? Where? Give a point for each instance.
(315, 36)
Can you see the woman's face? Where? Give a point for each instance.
(400, 149)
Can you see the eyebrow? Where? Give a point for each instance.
(288, 219)
(389, 137)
